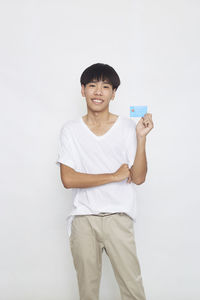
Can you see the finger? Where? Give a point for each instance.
(129, 179)
(148, 115)
(146, 123)
(146, 119)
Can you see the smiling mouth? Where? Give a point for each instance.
(97, 101)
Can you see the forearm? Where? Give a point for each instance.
(139, 167)
(84, 180)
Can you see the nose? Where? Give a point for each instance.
(98, 90)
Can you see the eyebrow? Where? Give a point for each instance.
(97, 81)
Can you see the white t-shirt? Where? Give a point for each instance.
(85, 152)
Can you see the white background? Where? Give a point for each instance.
(44, 47)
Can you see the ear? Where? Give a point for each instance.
(113, 94)
(83, 90)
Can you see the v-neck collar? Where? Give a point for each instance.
(99, 137)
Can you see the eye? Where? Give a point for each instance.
(106, 86)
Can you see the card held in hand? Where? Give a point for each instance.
(138, 111)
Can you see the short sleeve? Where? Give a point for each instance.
(131, 145)
(65, 149)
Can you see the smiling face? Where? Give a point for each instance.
(99, 90)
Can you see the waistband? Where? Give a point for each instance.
(107, 213)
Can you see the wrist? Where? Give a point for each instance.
(113, 177)
(141, 138)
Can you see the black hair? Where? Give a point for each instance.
(99, 72)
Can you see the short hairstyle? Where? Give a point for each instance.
(99, 72)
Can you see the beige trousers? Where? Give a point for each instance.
(114, 232)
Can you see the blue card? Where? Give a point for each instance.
(138, 111)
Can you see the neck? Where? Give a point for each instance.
(97, 118)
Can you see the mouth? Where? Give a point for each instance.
(97, 101)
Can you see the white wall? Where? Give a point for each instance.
(45, 46)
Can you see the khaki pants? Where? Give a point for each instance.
(113, 232)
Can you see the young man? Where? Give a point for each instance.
(102, 157)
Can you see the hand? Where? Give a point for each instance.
(129, 180)
(144, 125)
(122, 173)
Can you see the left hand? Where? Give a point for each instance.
(144, 125)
